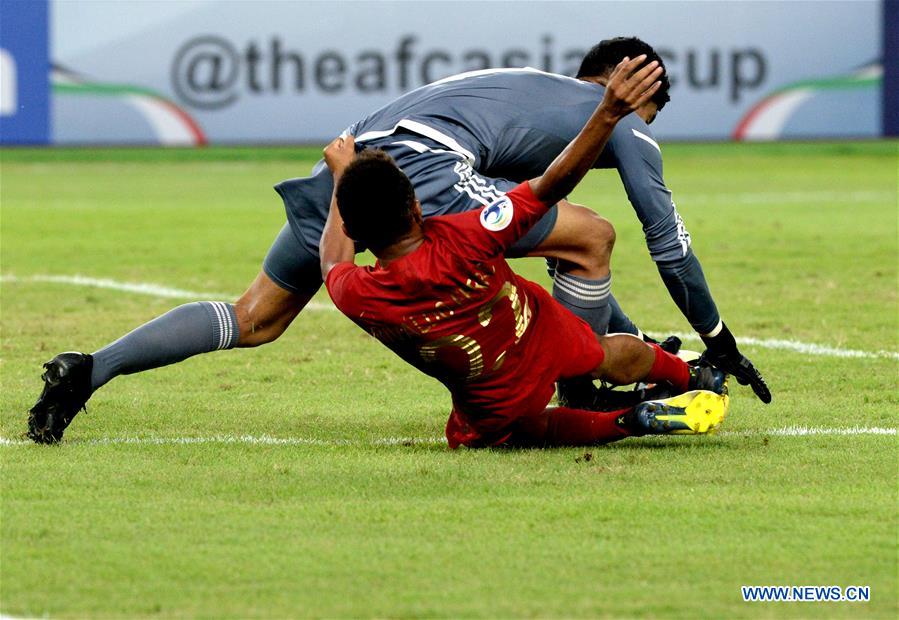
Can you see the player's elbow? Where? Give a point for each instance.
(326, 267)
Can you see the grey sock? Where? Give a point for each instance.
(586, 298)
(619, 323)
(187, 330)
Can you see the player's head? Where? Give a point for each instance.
(376, 200)
(605, 56)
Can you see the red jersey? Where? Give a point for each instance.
(454, 309)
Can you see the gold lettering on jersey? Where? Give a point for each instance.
(418, 326)
(468, 345)
(520, 309)
(429, 320)
(479, 281)
(425, 322)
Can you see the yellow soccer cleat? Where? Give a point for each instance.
(691, 413)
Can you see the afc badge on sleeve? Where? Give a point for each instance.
(498, 215)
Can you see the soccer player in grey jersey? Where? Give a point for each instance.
(463, 141)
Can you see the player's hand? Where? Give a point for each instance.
(742, 369)
(722, 353)
(629, 88)
(340, 153)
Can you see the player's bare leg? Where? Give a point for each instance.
(261, 315)
(582, 239)
(265, 311)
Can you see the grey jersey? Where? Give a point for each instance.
(508, 125)
(512, 123)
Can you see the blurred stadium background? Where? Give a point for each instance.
(191, 72)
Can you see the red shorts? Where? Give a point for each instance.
(560, 346)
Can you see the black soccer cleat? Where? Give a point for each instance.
(671, 344)
(67, 386)
(607, 398)
(704, 376)
(576, 393)
(658, 391)
(583, 394)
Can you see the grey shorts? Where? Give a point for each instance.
(291, 265)
(444, 183)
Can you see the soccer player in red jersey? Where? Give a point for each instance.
(445, 300)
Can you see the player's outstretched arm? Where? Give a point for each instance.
(336, 246)
(628, 88)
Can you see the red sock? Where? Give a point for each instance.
(670, 368)
(577, 427)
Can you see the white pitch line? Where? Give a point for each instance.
(261, 440)
(804, 431)
(267, 440)
(796, 346)
(139, 288)
(159, 290)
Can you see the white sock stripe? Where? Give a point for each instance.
(597, 300)
(586, 285)
(225, 322)
(224, 313)
(573, 289)
(563, 286)
(229, 324)
(232, 331)
(228, 314)
(218, 316)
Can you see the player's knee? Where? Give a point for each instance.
(597, 241)
(605, 235)
(258, 325)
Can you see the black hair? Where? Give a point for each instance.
(605, 56)
(375, 199)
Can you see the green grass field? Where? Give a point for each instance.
(306, 478)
